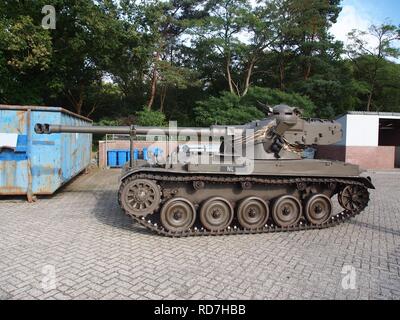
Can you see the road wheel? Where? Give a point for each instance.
(178, 215)
(318, 209)
(286, 211)
(216, 214)
(252, 213)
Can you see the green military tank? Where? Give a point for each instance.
(256, 181)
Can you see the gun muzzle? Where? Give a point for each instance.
(42, 128)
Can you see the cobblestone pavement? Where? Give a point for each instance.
(95, 252)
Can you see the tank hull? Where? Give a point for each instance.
(263, 168)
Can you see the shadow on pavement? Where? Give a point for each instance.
(107, 211)
(375, 227)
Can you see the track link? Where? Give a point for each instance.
(149, 221)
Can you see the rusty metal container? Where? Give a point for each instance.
(39, 164)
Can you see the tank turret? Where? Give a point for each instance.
(281, 135)
(284, 134)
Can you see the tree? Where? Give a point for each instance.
(221, 31)
(25, 51)
(164, 22)
(279, 15)
(81, 44)
(298, 37)
(386, 88)
(384, 36)
(171, 76)
(126, 53)
(262, 29)
(313, 18)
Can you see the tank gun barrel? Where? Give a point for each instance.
(50, 128)
(45, 128)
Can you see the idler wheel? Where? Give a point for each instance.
(216, 214)
(140, 197)
(353, 198)
(252, 213)
(286, 211)
(318, 209)
(178, 214)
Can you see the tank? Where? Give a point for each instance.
(256, 180)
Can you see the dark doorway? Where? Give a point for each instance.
(389, 132)
(389, 135)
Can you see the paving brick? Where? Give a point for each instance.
(98, 253)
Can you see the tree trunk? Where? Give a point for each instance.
(373, 82)
(248, 76)
(228, 74)
(78, 107)
(153, 89)
(94, 107)
(370, 97)
(282, 75)
(163, 95)
(154, 79)
(308, 70)
(76, 104)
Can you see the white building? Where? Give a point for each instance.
(370, 139)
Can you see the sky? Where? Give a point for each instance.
(359, 14)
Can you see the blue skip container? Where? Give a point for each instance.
(33, 164)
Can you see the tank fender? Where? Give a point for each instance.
(367, 182)
(127, 173)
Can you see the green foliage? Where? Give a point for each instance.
(28, 46)
(226, 109)
(103, 122)
(273, 97)
(371, 62)
(108, 122)
(229, 108)
(386, 84)
(25, 55)
(151, 118)
(107, 59)
(176, 77)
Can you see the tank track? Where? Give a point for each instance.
(152, 224)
